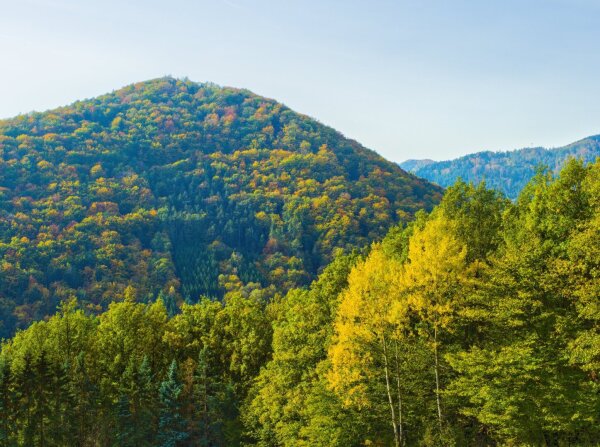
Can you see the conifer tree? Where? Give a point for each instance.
(202, 392)
(138, 404)
(146, 418)
(62, 428)
(86, 399)
(7, 410)
(125, 429)
(41, 411)
(171, 427)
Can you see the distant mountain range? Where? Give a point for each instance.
(508, 171)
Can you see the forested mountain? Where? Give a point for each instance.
(474, 325)
(507, 172)
(174, 189)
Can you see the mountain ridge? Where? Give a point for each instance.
(506, 171)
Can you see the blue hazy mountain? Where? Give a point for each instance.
(506, 171)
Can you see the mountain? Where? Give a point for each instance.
(509, 171)
(175, 189)
(412, 165)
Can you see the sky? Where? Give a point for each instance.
(409, 79)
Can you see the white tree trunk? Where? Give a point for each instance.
(437, 377)
(389, 392)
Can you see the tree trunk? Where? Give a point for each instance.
(400, 428)
(389, 393)
(437, 377)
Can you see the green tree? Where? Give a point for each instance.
(7, 410)
(137, 405)
(289, 402)
(517, 378)
(171, 426)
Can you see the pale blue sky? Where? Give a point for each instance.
(410, 79)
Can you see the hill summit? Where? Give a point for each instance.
(175, 189)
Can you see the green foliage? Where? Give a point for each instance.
(519, 378)
(168, 185)
(278, 409)
(477, 324)
(171, 426)
(115, 379)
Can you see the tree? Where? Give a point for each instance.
(40, 410)
(364, 354)
(432, 279)
(137, 404)
(87, 399)
(584, 279)
(289, 402)
(7, 410)
(171, 426)
(518, 378)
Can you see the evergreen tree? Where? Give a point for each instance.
(171, 426)
(41, 411)
(62, 428)
(216, 416)
(125, 432)
(147, 404)
(138, 404)
(7, 410)
(203, 390)
(24, 383)
(86, 399)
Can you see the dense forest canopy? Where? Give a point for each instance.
(174, 189)
(507, 172)
(475, 325)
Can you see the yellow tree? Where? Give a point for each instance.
(364, 350)
(432, 279)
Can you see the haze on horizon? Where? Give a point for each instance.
(429, 79)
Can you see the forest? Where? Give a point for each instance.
(475, 324)
(181, 190)
(507, 172)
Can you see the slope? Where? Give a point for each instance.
(177, 189)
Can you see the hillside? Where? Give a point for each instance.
(177, 189)
(475, 325)
(507, 172)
